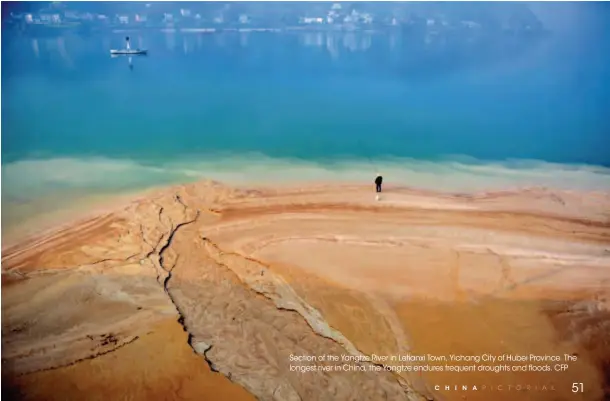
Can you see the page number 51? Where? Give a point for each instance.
(578, 388)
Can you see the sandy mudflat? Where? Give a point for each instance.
(159, 365)
(97, 309)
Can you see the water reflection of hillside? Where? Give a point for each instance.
(410, 54)
(333, 41)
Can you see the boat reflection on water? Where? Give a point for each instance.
(129, 59)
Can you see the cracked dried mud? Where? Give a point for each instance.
(202, 292)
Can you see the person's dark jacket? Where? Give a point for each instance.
(378, 180)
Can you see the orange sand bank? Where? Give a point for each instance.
(256, 275)
(158, 366)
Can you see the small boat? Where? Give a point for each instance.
(128, 50)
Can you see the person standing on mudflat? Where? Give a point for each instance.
(378, 182)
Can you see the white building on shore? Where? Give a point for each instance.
(311, 20)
